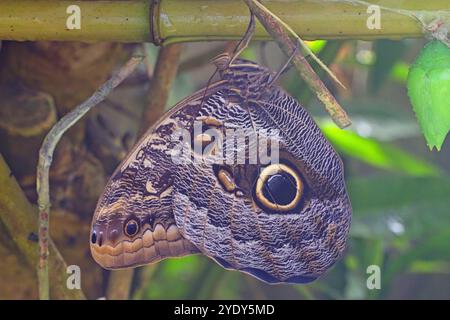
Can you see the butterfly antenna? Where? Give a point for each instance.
(207, 87)
(285, 66)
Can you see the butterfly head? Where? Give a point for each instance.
(133, 223)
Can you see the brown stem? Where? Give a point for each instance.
(144, 277)
(161, 83)
(20, 219)
(119, 284)
(278, 32)
(45, 160)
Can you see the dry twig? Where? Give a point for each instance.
(45, 160)
(19, 218)
(277, 30)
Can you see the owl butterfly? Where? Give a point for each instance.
(280, 221)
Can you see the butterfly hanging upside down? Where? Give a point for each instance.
(280, 221)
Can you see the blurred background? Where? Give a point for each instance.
(399, 189)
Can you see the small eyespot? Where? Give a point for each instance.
(131, 228)
(226, 179)
(278, 188)
(94, 237)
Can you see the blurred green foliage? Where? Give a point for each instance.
(400, 194)
(376, 153)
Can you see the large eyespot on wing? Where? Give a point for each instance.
(278, 188)
(240, 216)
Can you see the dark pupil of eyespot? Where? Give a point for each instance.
(280, 189)
(131, 228)
(94, 237)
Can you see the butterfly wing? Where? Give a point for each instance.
(281, 222)
(218, 207)
(133, 223)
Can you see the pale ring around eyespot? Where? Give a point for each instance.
(270, 171)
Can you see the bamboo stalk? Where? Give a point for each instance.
(194, 20)
(121, 21)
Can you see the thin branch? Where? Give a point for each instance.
(45, 160)
(278, 32)
(436, 24)
(20, 219)
(145, 276)
(119, 284)
(301, 42)
(327, 55)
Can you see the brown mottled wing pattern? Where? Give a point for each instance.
(140, 190)
(298, 246)
(153, 208)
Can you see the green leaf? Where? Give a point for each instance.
(375, 153)
(429, 91)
